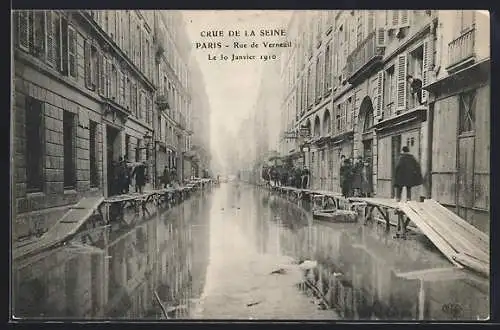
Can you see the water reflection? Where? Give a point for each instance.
(364, 273)
(185, 253)
(118, 276)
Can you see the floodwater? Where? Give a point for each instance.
(234, 253)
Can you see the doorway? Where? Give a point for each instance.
(368, 157)
(113, 144)
(396, 152)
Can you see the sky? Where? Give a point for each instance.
(231, 86)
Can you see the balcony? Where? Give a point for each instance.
(461, 51)
(364, 58)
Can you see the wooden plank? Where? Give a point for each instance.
(473, 264)
(471, 243)
(467, 226)
(435, 274)
(435, 238)
(453, 233)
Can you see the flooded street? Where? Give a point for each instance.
(238, 252)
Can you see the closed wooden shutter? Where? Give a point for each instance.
(63, 45)
(394, 20)
(39, 33)
(401, 85)
(87, 61)
(426, 65)
(22, 27)
(72, 44)
(404, 18)
(101, 74)
(50, 21)
(379, 98)
(31, 30)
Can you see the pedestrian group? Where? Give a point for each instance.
(354, 176)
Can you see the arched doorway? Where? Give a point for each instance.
(327, 125)
(366, 118)
(317, 127)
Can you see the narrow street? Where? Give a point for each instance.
(233, 253)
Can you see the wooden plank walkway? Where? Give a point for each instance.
(461, 243)
(66, 226)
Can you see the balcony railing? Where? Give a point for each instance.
(461, 49)
(364, 56)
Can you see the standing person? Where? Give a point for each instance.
(366, 187)
(166, 177)
(140, 177)
(298, 177)
(357, 177)
(305, 178)
(407, 174)
(123, 176)
(346, 177)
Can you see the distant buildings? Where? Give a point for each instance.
(90, 87)
(352, 87)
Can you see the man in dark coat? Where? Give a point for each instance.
(140, 177)
(298, 177)
(346, 177)
(357, 177)
(305, 178)
(166, 177)
(407, 174)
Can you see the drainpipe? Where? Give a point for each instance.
(430, 124)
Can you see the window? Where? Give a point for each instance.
(138, 151)
(310, 87)
(114, 82)
(69, 149)
(31, 31)
(34, 144)
(338, 118)
(328, 69)
(389, 91)
(467, 112)
(94, 175)
(127, 147)
(318, 77)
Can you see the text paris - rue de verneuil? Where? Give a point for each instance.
(242, 45)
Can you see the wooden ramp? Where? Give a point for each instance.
(65, 227)
(459, 241)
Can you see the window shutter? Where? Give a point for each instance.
(401, 83)
(22, 26)
(380, 95)
(63, 45)
(127, 92)
(427, 66)
(100, 70)
(380, 37)
(31, 30)
(88, 73)
(404, 18)
(39, 33)
(50, 21)
(107, 77)
(394, 19)
(72, 51)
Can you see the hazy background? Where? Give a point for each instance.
(231, 87)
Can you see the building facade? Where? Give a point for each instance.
(90, 87)
(200, 119)
(459, 114)
(353, 87)
(173, 94)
